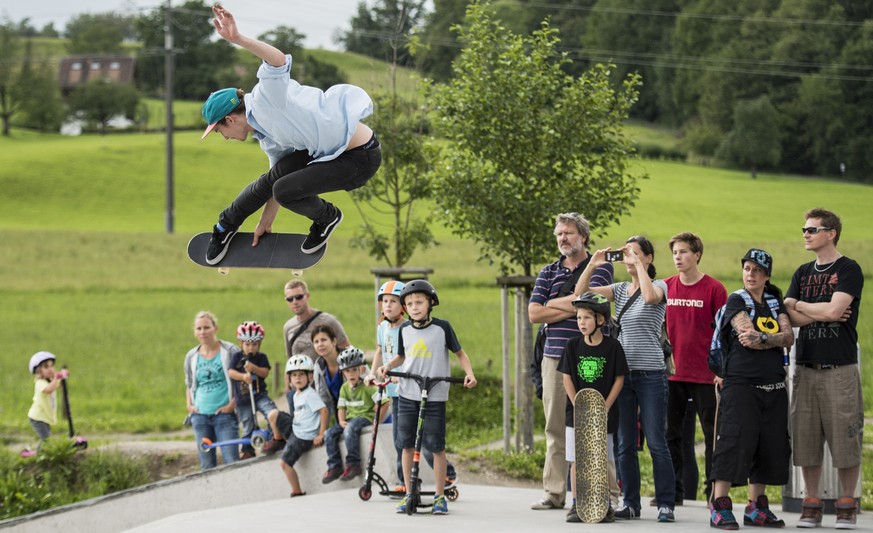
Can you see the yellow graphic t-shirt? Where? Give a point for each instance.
(44, 408)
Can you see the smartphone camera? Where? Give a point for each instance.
(614, 255)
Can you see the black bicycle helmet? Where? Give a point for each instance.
(597, 303)
(419, 285)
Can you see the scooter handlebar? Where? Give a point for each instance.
(422, 379)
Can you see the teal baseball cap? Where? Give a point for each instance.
(219, 104)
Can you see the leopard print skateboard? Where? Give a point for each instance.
(592, 485)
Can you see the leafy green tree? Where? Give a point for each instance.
(41, 107)
(438, 46)
(399, 187)
(527, 141)
(10, 95)
(754, 140)
(100, 100)
(201, 63)
(635, 42)
(97, 33)
(381, 30)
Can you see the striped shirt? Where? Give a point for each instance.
(549, 282)
(641, 327)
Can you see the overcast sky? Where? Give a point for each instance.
(317, 19)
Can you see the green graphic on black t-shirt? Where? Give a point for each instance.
(590, 369)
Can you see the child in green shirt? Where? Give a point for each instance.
(356, 410)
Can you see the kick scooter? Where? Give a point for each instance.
(425, 383)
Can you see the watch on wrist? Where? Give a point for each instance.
(764, 338)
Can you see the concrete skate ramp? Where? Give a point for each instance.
(245, 482)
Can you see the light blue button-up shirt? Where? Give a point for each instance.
(288, 116)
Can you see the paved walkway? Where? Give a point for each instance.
(478, 509)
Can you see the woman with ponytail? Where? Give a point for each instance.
(640, 306)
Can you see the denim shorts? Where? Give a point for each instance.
(434, 428)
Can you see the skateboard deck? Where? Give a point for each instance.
(275, 250)
(592, 485)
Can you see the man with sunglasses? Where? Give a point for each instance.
(827, 405)
(305, 319)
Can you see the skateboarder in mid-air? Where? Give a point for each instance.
(592, 361)
(313, 139)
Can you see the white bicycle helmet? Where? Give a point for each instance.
(299, 362)
(39, 358)
(390, 287)
(250, 332)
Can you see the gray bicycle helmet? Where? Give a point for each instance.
(351, 357)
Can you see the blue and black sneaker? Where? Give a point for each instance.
(439, 505)
(218, 245)
(401, 505)
(758, 513)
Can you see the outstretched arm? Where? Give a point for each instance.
(225, 25)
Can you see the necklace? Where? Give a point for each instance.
(825, 269)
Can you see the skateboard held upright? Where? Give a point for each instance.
(592, 484)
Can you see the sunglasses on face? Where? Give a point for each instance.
(295, 298)
(812, 230)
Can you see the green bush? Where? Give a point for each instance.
(60, 475)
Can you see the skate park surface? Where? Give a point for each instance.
(253, 496)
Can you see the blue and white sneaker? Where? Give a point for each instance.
(440, 506)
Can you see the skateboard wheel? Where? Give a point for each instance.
(452, 494)
(364, 493)
(223, 271)
(296, 273)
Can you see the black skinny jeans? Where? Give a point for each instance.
(296, 184)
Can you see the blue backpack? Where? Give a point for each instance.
(719, 343)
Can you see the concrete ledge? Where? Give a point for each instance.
(250, 481)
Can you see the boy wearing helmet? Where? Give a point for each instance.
(356, 409)
(425, 343)
(387, 340)
(249, 369)
(43, 414)
(306, 427)
(592, 361)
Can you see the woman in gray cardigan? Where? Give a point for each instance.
(209, 391)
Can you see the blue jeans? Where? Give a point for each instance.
(217, 428)
(647, 391)
(351, 436)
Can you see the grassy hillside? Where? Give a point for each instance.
(88, 272)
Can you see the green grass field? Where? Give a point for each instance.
(88, 272)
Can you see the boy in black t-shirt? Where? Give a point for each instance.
(591, 361)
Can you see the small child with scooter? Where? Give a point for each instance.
(249, 369)
(425, 343)
(356, 409)
(307, 427)
(43, 414)
(387, 340)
